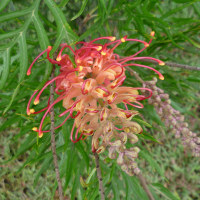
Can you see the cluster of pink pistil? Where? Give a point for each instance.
(91, 89)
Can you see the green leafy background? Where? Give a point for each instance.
(27, 28)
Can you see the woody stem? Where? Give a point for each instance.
(145, 187)
(53, 141)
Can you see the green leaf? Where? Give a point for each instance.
(76, 183)
(173, 11)
(43, 168)
(6, 67)
(115, 188)
(152, 162)
(147, 136)
(10, 34)
(142, 122)
(12, 99)
(44, 43)
(3, 4)
(182, 1)
(23, 56)
(84, 3)
(9, 122)
(135, 188)
(164, 191)
(64, 30)
(94, 194)
(93, 29)
(27, 144)
(191, 41)
(127, 188)
(69, 165)
(90, 176)
(16, 14)
(84, 154)
(63, 3)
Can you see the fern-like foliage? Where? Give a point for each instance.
(29, 27)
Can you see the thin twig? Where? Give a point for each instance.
(134, 73)
(183, 66)
(53, 141)
(101, 189)
(175, 65)
(145, 187)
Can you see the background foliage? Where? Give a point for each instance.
(27, 28)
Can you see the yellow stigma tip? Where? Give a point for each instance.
(99, 48)
(80, 68)
(123, 40)
(78, 61)
(36, 102)
(32, 111)
(146, 45)
(152, 33)
(49, 47)
(34, 129)
(112, 39)
(58, 58)
(161, 63)
(103, 53)
(40, 134)
(161, 77)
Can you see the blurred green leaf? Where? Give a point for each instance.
(64, 30)
(84, 3)
(6, 67)
(63, 3)
(23, 56)
(142, 122)
(3, 4)
(146, 155)
(164, 191)
(12, 98)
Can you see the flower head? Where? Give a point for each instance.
(90, 87)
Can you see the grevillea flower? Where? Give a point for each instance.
(90, 86)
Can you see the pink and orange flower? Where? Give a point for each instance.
(90, 88)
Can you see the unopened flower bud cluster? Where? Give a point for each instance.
(116, 141)
(172, 117)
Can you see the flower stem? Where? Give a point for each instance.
(101, 189)
(145, 187)
(53, 142)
